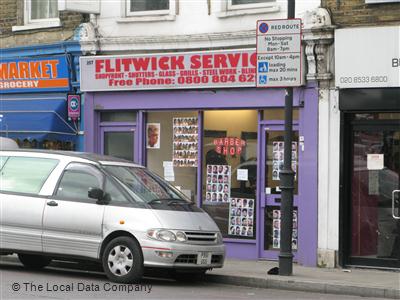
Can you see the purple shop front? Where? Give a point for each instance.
(185, 136)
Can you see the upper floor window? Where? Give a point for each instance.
(244, 4)
(232, 8)
(40, 10)
(39, 14)
(144, 7)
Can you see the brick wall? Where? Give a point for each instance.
(11, 14)
(349, 13)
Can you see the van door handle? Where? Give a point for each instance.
(52, 203)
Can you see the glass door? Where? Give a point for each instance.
(118, 141)
(272, 163)
(374, 238)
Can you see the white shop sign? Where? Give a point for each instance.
(367, 57)
(278, 53)
(181, 70)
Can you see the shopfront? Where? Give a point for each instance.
(197, 120)
(35, 82)
(369, 101)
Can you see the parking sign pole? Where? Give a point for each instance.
(287, 181)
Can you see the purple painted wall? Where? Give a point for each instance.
(243, 98)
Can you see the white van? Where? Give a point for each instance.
(79, 205)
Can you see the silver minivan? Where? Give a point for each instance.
(73, 205)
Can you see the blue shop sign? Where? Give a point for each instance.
(30, 74)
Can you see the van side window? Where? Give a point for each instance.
(114, 195)
(77, 180)
(26, 174)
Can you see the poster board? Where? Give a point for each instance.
(276, 229)
(241, 217)
(185, 142)
(218, 184)
(278, 149)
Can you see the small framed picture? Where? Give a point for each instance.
(153, 135)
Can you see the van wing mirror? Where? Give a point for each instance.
(96, 193)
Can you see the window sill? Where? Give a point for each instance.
(41, 25)
(154, 18)
(249, 11)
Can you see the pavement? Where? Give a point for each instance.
(352, 282)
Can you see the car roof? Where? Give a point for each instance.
(97, 158)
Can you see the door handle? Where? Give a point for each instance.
(52, 203)
(393, 214)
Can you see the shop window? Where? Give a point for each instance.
(377, 116)
(230, 170)
(279, 114)
(118, 116)
(172, 148)
(39, 14)
(45, 144)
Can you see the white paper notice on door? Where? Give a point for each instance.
(169, 171)
(242, 174)
(375, 161)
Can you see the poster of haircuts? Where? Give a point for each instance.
(218, 184)
(241, 217)
(185, 141)
(276, 229)
(277, 158)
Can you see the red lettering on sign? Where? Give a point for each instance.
(141, 63)
(234, 59)
(195, 62)
(177, 62)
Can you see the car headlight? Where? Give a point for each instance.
(166, 235)
(181, 236)
(163, 235)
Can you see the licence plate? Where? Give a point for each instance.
(204, 258)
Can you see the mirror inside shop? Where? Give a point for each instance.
(229, 162)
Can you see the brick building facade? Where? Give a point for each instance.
(12, 18)
(359, 13)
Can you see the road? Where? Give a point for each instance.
(61, 283)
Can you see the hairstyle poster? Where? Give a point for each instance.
(153, 135)
(276, 229)
(185, 142)
(218, 184)
(241, 217)
(277, 158)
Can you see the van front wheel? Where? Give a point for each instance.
(31, 261)
(123, 260)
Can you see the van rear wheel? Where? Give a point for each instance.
(123, 260)
(31, 261)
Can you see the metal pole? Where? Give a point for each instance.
(287, 180)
